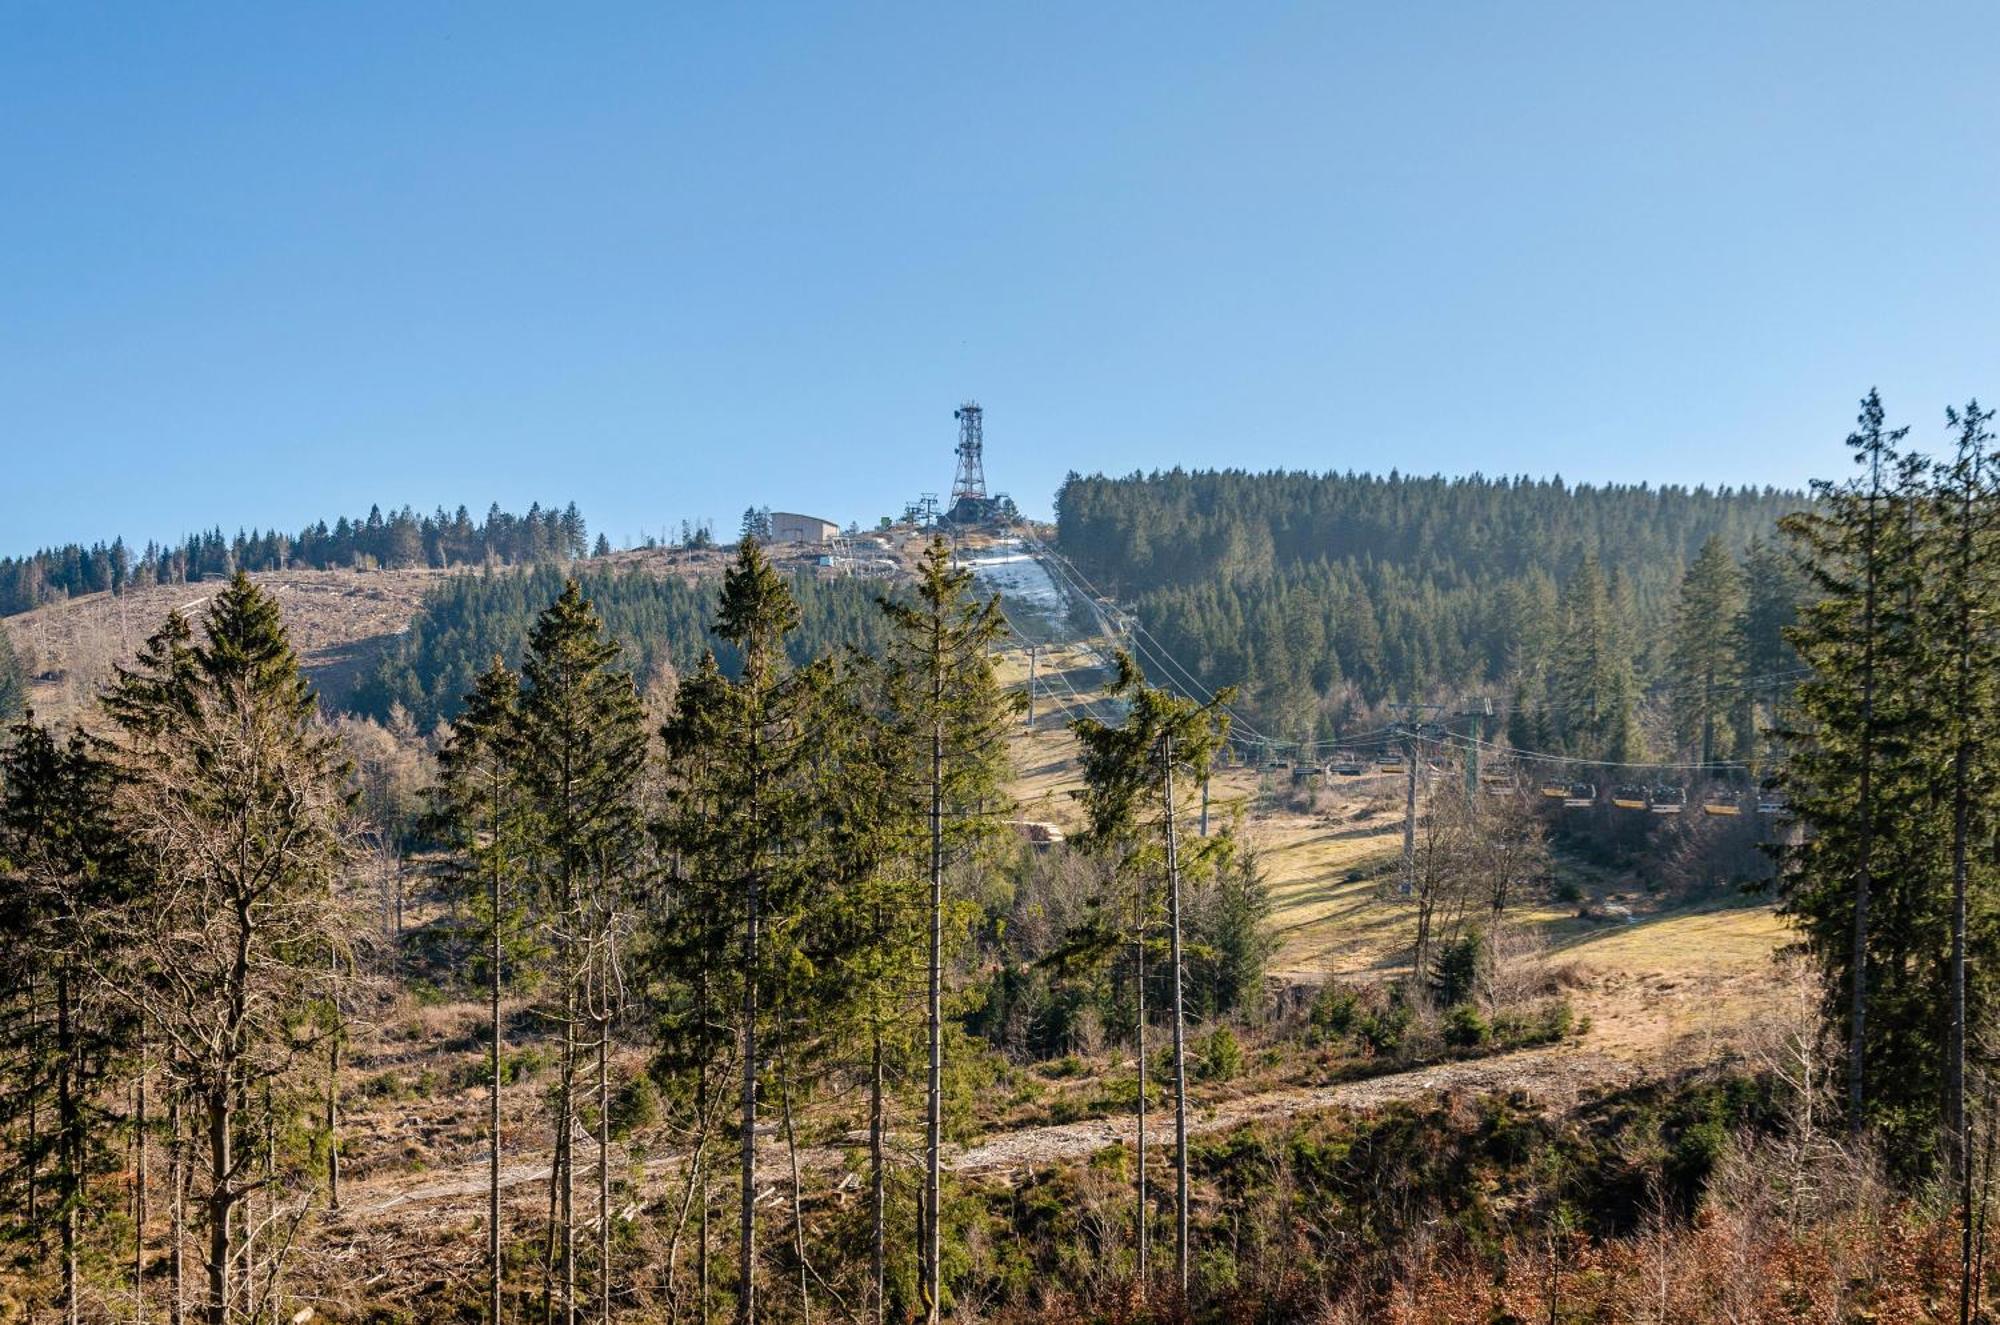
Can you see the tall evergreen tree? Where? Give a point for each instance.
(1853, 722)
(64, 869)
(579, 748)
(231, 792)
(742, 821)
(1961, 613)
(1767, 663)
(1129, 778)
(477, 812)
(1592, 687)
(13, 680)
(1705, 650)
(949, 722)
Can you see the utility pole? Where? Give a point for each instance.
(1204, 804)
(1410, 811)
(1031, 685)
(1411, 728)
(1479, 715)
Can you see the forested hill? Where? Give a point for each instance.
(1323, 593)
(397, 540)
(658, 619)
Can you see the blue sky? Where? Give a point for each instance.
(261, 264)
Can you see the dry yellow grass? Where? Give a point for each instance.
(1648, 984)
(339, 621)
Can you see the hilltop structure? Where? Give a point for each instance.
(970, 505)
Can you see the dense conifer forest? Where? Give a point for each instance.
(398, 539)
(661, 622)
(1324, 595)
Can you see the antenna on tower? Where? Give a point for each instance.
(970, 484)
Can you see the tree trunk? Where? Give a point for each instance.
(1145, 1225)
(567, 1150)
(1965, 733)
(933, 1290)
(604, 1170)
(1145, 1233)
(1857, 1036)
(746, 1250)
(493, 1093)
(1180, 1033)
(139, 1193)
(69, 1153)
(798, 1190)
(332, 1118)
(177, 1182)
(221, 1201)
(878, 1193)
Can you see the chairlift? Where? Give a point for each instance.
(1348, 768)
(1391, 764)
(1721, 802)
(1579, 796)
(1555, 791)
(1629, 797)
(1668, 800)
(1772, 803)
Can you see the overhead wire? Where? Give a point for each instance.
(1159, 655)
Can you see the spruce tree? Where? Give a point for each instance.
(1766, 661)
(692, 977)
(579, 750)
(1129, 774)
(742, 819)
(1704, 651)
(476, 812)
(13, 680)
(231, 794)
(949, 722)
(1593, 686)
(1852, 723)
(1961, 610)
(64, 868)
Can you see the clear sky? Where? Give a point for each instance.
(265, 263)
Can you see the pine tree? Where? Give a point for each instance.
(1704, 652)
(477, 813)
(949, 724)
(1766, 660)
(65, 869)
(1129, 777)
(1593, 686)
(231, 792)
(1961, 610)
(579, 750)
(13, 680)
(741, 819)
(1855, 635)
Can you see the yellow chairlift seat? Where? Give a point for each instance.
(1629, 798)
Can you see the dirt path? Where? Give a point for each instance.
(1555, 1075)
